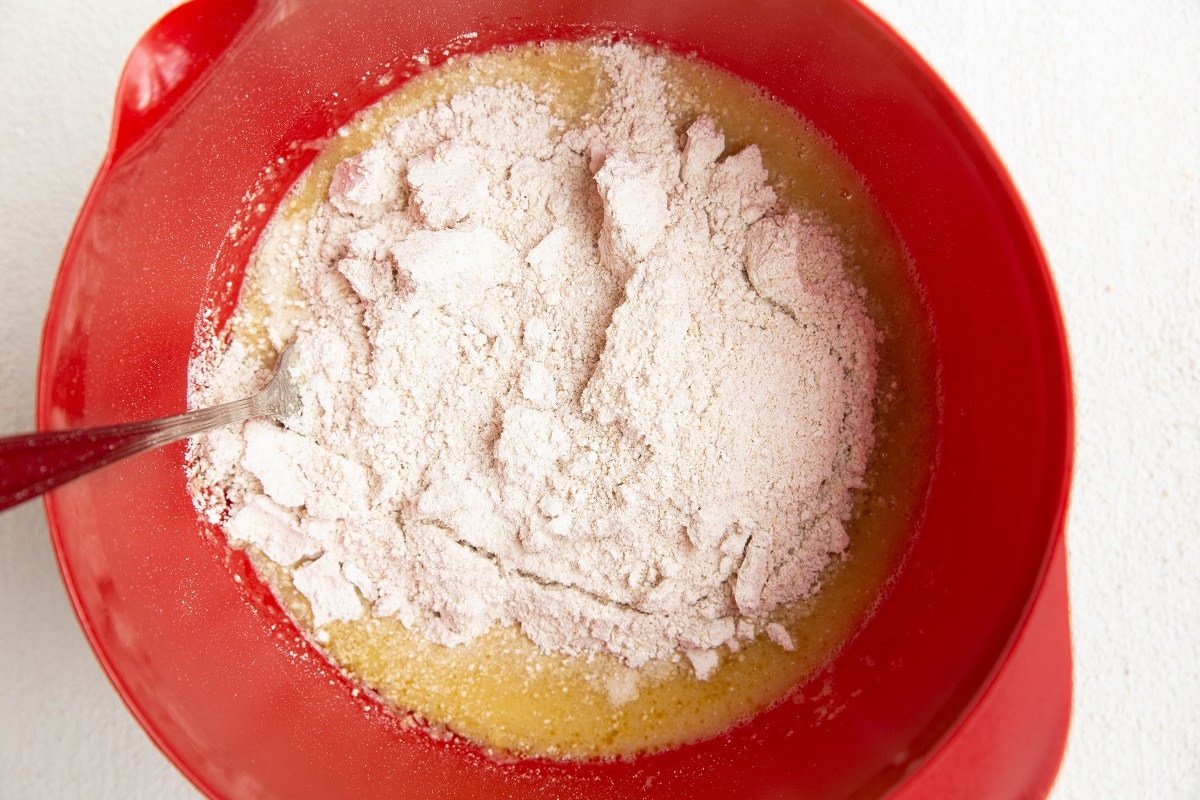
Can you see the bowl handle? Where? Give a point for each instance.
(167, 61)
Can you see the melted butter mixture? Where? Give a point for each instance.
(501, 690)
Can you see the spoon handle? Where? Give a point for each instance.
(34, 463)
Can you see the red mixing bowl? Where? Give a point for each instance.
(220, 109)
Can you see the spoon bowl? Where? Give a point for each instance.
(198, 647)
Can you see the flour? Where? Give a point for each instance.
(592, 381)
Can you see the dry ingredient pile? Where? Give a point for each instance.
(592, 381)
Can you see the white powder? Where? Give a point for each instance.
(593, 382)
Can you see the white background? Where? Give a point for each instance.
(1094, 107)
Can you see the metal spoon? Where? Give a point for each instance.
(34, 463)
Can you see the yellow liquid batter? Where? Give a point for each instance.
(501, 690)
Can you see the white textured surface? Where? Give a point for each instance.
(1094, 107)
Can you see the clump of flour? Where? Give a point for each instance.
(594, 382)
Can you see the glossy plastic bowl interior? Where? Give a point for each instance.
(221, 107)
